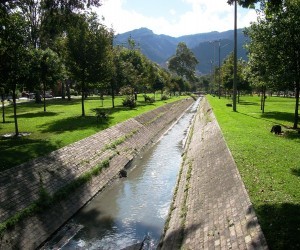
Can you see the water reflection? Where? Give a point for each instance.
(135, 208)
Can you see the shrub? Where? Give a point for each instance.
(129, 101)
(149, 99)
(164, 97)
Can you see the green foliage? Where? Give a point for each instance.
(184, 62)
(227, 74)
(60, 127)
(164, 97)
(126, 90)
(268, 164)
(129, 101)
(46, 68)
(149, 99)
(273, 58)
(89, 45)
(44, 198)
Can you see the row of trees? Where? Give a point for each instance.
(46, 42)
(273, 52)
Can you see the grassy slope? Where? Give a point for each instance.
(61, 125)
(269, 164)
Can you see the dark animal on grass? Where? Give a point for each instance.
(276, 129)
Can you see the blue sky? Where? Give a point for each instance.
(173, 17)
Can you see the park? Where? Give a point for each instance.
(77, 110)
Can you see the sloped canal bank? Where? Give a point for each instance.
(134, 209)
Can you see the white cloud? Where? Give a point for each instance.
(204, 16)
(172, 12)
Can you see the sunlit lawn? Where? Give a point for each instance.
(269, 164)
(60, 125)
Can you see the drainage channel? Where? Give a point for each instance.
(131, 212)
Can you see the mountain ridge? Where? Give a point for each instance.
(205, 46)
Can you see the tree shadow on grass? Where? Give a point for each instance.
(291, 134)
(280, 224)
(17, 150)
(241, 102)
(281, 116)
(74, 123)
(271, 116)
(84, 122)
(36, 114)
(110, 111)
(296, 171)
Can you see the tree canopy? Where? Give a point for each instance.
(274, 52)
(184, 62)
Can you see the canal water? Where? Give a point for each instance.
(134, 209)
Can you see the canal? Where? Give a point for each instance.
(130, 213)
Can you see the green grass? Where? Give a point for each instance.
(269, 164)
(60, 125)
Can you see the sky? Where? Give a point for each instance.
(173, 17)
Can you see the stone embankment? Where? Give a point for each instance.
(211, 208)
(42, 178)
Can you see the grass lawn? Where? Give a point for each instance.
(269, 164)
(60, 125)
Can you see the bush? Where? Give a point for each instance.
(129, 101)
(149, 99)
(164, 97)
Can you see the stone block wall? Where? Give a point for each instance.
(21, 185)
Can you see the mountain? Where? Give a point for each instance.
(205, 46)
(157, 48)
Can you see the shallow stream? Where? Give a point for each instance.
(134, 209)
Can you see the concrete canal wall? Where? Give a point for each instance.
(45, 177)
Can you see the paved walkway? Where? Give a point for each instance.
(212, 209)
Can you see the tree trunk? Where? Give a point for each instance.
(263, 96)
(296, 119)
(82, 99)
(44, 91)
(3, 109)
(15, 112)
(113, 95)
(63, 91)
(68, 85)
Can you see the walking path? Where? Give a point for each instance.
(211, 209)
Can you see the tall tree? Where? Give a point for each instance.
(13, 54)
(184, 62)
(275, 42)
(89, 45)
(2, 93)
(227, 74)
(47, 70)
(47, 18)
